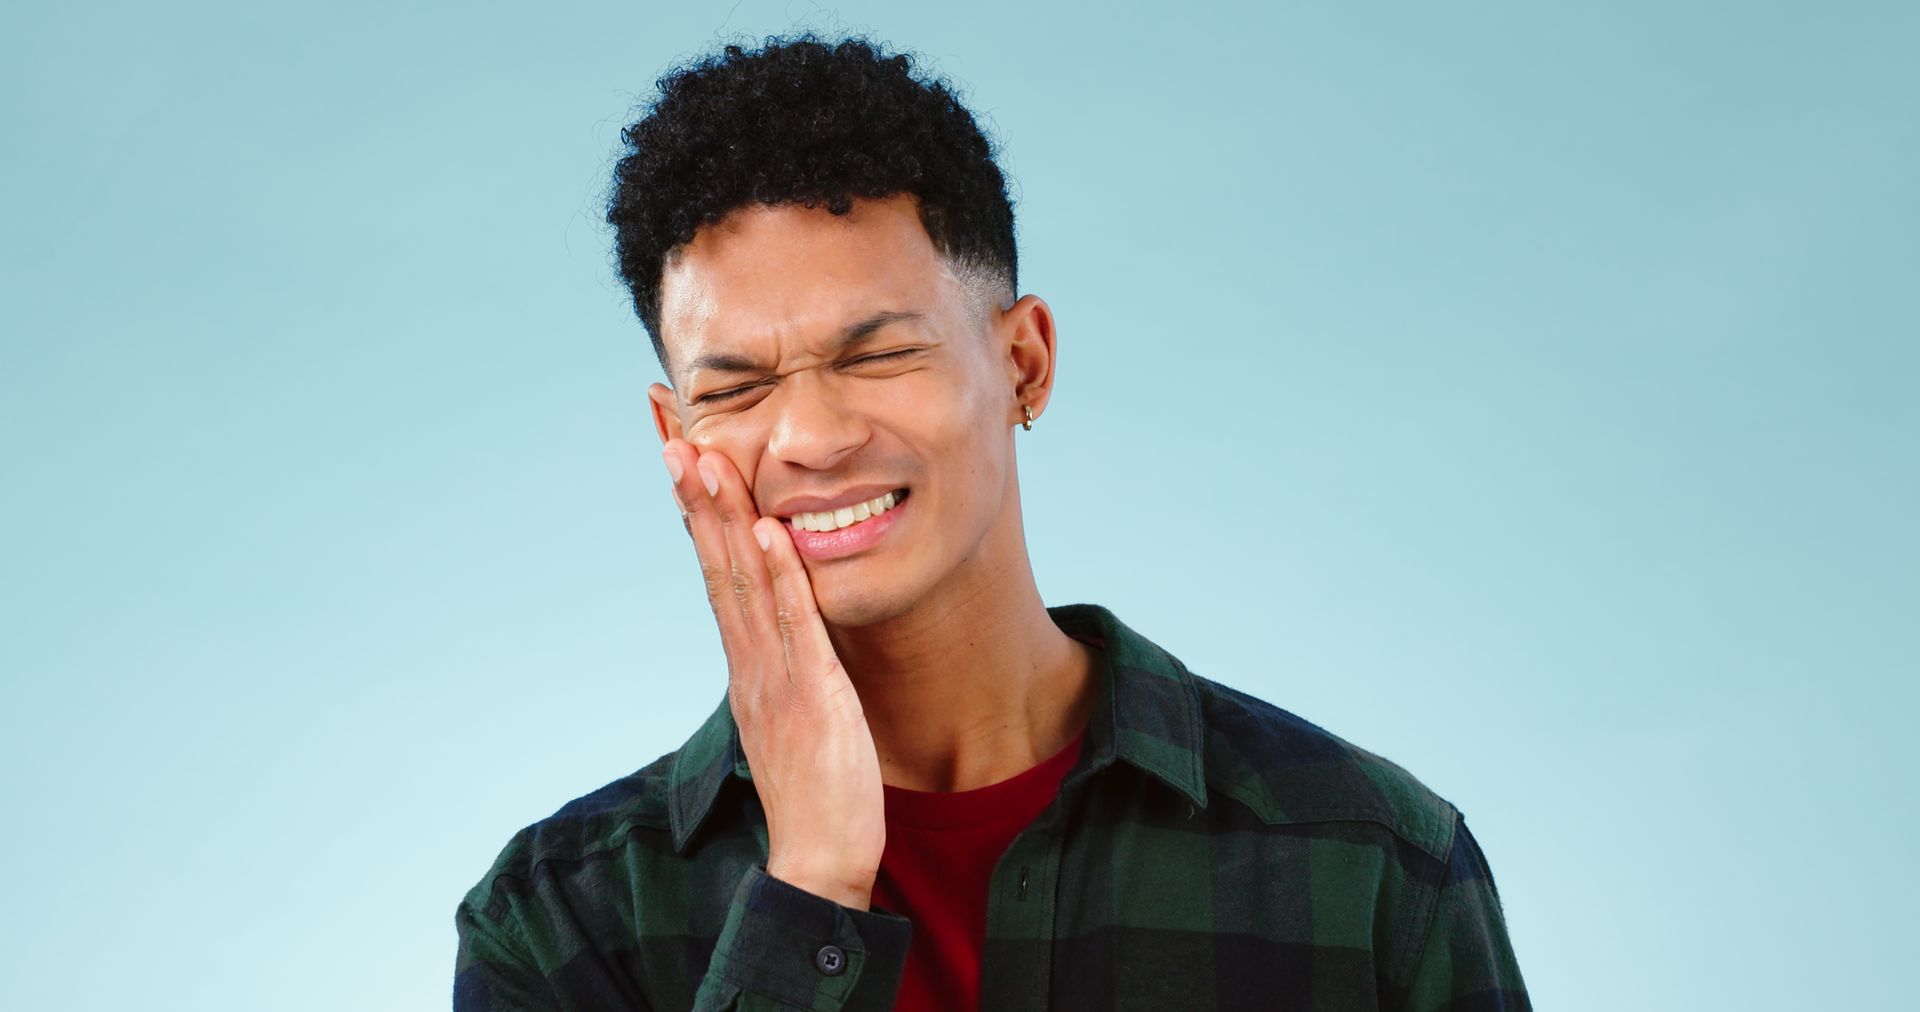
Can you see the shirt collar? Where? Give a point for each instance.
(1146, 714)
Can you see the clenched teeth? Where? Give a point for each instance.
(845, 516)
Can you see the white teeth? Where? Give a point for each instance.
(833, 520)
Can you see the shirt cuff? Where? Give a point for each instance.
(807, 951)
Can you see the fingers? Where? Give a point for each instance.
(802, 632)
(701, 517)
(747, 578)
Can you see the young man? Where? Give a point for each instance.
(926, 789)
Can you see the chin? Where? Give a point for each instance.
(850, 603)
(860, 610)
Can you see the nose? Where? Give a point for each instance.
(813, 426)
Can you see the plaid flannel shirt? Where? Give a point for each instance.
(1209, 851)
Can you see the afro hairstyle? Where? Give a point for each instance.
(801, 121)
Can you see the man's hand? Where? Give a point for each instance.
(800, 721)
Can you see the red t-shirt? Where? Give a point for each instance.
(941, 849)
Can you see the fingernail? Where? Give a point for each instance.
(708, 478)
(760, 534)
(673, 465)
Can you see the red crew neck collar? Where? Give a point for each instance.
(1009, 800)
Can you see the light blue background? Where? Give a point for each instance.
(1525, 395)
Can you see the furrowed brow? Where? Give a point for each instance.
(720, 361)
(863, 331)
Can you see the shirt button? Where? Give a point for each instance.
(830, 960)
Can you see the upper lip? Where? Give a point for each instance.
(816, 504)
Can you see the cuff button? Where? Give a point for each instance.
(830, 960)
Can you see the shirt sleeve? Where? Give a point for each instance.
(785, 948)
(781, 948)
(494, 970)
(1466, 962)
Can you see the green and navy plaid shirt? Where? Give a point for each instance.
(1208, 851)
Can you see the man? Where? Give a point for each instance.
(926, 789)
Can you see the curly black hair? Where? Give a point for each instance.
(802, 121)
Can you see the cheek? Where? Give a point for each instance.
(730, 432)
(958, 391)
(940, 415)
(955, 430)
(735, 437)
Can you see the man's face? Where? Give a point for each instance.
(834, 359)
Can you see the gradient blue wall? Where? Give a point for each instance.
(1525, 395)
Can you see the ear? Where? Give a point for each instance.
(1031, 353)
(666, 412)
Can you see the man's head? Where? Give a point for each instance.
(805, 122)
(822, 249)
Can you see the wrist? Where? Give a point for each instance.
(853, 890)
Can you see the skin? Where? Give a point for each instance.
(926, 661)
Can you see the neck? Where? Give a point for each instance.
(971, 688)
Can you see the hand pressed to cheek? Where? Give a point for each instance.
(799, 719)
(737, 558)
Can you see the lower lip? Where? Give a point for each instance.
(847, 540)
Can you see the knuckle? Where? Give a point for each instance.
(748, 694)
(757, 697)
(742, 585)
(714, 578)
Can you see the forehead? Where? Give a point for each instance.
(773, 280)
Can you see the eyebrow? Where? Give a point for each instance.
(851, 337)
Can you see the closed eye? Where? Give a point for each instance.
(721, 395)
(729, 394)
(884, 356)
